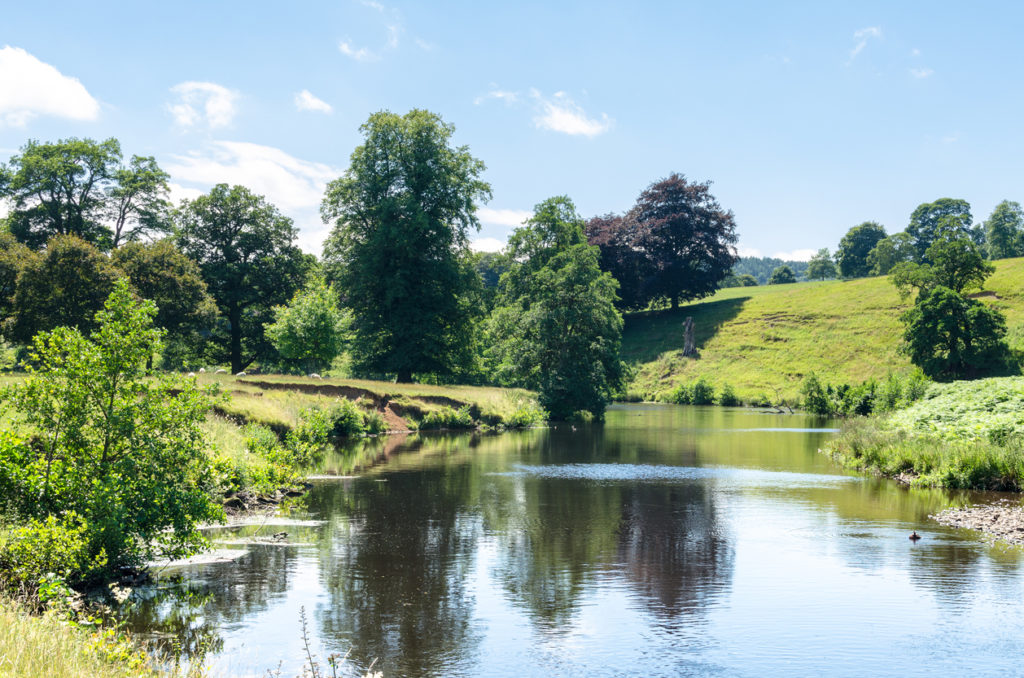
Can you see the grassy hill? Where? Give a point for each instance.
(759, 339)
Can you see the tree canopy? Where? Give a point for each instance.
(929, 219)
(399, 247)
(782, 275)
(311, 329)
(555, 327)
(853, 250)
(957, 264)
(80, 187)
(821, 267)
(246, 252)
(895, 249)
(1004, 231)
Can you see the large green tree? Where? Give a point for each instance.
(853, 250)
(929, 219)
(1004, 231)
(13, 256)
(399, 247)
(783, 275)
(956, 264)
(62, 286)
(246, 252)
(80, 187)
(556, 328)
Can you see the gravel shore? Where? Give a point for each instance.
(1001, 521)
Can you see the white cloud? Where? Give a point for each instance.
(294, 186)
(487, 245)
(915, 52)
(499, 94)
(921, 72)
(4, 209)
(30, 88)
(359, 54)
(951, 138)
(373, 5)
(200, 102)
(795, 255)
(393, 33)
(561, 114)
(748, 251)
(862, 36)
(307, 101)
(179, 193)
(424, 45)
(509, 218)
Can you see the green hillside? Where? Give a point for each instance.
(764, 338)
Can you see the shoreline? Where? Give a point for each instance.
(1002, 521)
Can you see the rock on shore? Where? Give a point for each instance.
(1001, 521)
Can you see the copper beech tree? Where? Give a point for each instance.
(676, 244)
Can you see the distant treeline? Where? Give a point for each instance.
(762, 267)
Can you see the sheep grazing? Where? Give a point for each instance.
(192, 374)
(221, 372)
(202, 370)
(314, 375)
(240, 374)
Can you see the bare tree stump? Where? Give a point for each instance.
(689, 345)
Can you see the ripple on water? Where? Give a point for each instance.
(651, 473)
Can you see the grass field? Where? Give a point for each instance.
(759, 339)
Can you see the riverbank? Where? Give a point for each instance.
(960, 435)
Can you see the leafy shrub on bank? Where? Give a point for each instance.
(525, 416)
(703, 392)
(869, 397)
(50, 546)
(728, 398)
(447, 418)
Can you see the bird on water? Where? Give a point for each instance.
(914, 536)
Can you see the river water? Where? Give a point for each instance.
(668, 541)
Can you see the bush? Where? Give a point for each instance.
(526, 416)
(680, 395)
(729, 397)
(49, 547)
(446, 417)
(121, 449)
(703, 393)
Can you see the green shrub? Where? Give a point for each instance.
(446, 417)
(729, 397)
(526, 416)
(348, 419)
(47, 547)
(373, 423)
(703, 392)
(680, 395)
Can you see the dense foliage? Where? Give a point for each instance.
(1004, 231)
(311, 329)
(246, 252)
(80, 187)
(555, 328)
(117, 457)
(676, 244)
(398, 250)
(760, 268)
(929, 220)
(783, 275)
(821, 266)
(854, 248)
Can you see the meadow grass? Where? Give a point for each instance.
(759, 339)
(46, 645)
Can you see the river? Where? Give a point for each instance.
(667, 541)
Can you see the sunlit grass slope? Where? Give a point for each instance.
(759, 339)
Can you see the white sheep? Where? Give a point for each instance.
(314, 375)
(221, 371)
(240, 374)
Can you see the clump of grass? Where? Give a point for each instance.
(930, 460)
(47, 645)
(447, 418)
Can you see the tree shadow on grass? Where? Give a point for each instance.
(648, 334)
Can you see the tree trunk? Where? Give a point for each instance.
(235, 318)
(404, 376)
(675, 302)
(689, 345)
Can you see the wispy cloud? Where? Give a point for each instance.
(357, 53)
(921, 72)
(560, 113)
(509, 218)
(30, 88)
(203, 102)
(424, 45)
(744, 251)
(307, 101)
(862, 37)
(499, 94)
(295, 186)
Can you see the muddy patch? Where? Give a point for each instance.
(1001, 521)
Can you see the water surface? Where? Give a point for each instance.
(668, 541)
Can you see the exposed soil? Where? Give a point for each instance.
(1001, 521)
(350, 392)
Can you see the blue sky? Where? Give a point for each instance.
(808, 117)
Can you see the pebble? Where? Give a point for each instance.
(1001, 521)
